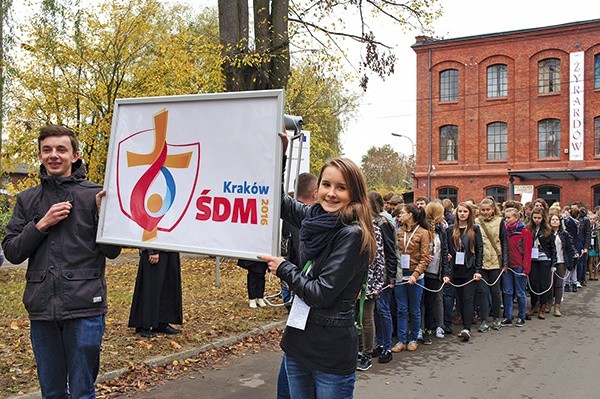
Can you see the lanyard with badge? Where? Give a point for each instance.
(299, 310)
(405, 258)
(534, 250)
(459, 259)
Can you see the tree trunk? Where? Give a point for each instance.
(267, 66)
(233, 31)
(280, 47)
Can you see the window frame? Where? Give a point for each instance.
(500, 193)
(549, 76)
(452, 131)
(499, 146)
(445, 192)
(543, 149)
(497, 81)
(449, 85)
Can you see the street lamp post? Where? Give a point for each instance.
(413, 146)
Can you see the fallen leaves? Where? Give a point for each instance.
(210, 313)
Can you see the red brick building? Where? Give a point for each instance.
(502, 113)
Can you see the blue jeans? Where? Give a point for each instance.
(513, 284)
(67, 351)
(283, 389)
(383, 320)
(305, 383)
(408, 303)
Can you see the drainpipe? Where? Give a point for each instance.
(430, 156)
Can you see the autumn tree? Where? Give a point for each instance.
(78, 61)
(263, 61)
(325, 105)
(386, 170)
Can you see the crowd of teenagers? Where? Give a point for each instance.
(368, 269)
(469, 265)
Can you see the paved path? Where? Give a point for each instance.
(552, 358)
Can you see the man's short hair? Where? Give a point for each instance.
(424, 199)
(58, 130)
(307, 184)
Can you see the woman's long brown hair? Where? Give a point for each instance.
(359, 208)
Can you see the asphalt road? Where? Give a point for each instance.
(552, 358)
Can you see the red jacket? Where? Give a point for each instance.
(520, 243)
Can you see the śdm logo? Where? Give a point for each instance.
(156, 201)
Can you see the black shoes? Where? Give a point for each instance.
(167, 329)
(146, 333)
(163, 329)
(385, 357)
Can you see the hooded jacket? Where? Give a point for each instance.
(65, 272)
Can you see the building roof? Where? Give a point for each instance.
(424, 41)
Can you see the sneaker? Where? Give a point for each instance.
(364, 363)
(439, 333)
(146, 333)
(377, 351)
(506, 322)
(483, 327)
(385, 357)
(420, 335)
(496, 324)
(465, 335)
(252, 303)
(574, 288)
(399, 347)
(520, 323)
(578, 284)
(567, 288)
(261, 302)
(427, 337)
(447, 330)
(412, 346)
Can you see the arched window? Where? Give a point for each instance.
(497, 81)
(449, 85)
(497, 141)
(449, 143)
(549, 76)
(449, 192)
(549, 138)
(498, 192)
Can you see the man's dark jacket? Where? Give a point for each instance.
(65, 272)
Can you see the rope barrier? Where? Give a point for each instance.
(267, 298)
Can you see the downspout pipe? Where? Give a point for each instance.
(430, 149)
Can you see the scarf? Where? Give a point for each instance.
(317, 230)
(512, 229)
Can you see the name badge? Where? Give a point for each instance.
(534, 253)
(298, 313)
(405, 261)
(460, 258)
(592, 242)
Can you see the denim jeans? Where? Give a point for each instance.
(513, 284)
(449, 294)
(383, 319)
(283, 389)
(67, 351)
(408, 303)
(492, 293)
(305, 383)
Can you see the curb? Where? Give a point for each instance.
(167, 359)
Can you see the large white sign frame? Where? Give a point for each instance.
(195, 173)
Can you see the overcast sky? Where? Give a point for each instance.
(390, 106)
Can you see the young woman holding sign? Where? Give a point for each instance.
(337, 243)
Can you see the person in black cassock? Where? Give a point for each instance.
(157, 298)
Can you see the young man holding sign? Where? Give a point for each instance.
(53, 226)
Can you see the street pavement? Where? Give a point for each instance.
(553, 358)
